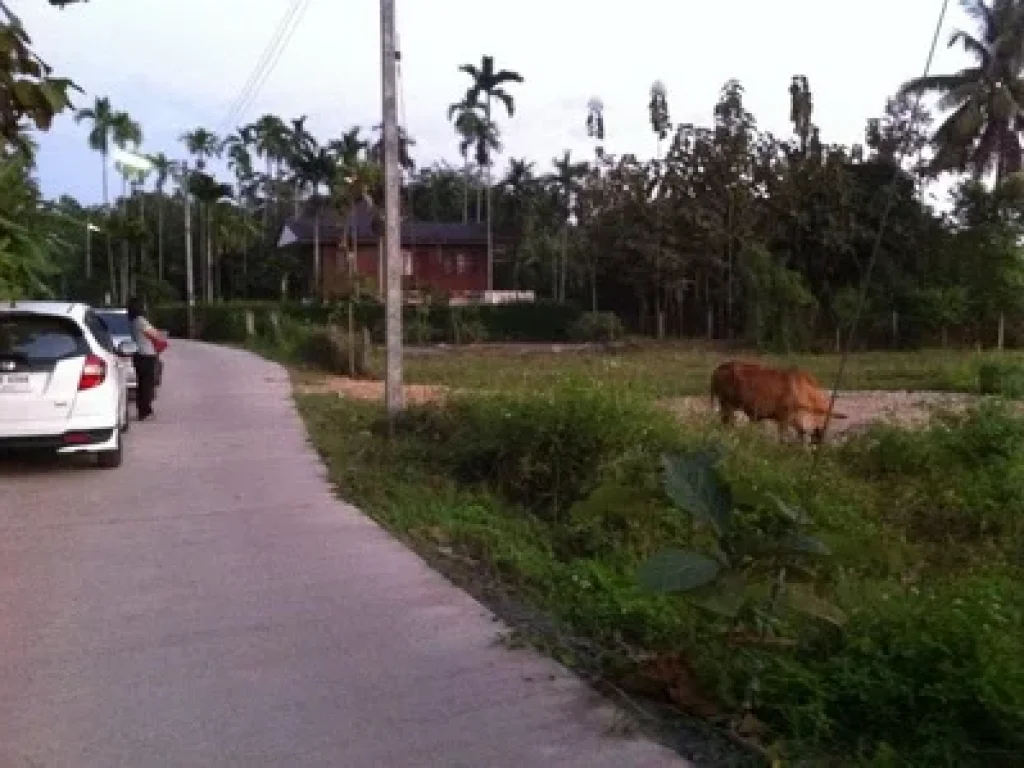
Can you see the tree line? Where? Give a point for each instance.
(728, 232)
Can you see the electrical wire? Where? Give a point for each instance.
(882, 224)
(260, 64)
(268, 61)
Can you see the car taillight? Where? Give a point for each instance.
(94, 372)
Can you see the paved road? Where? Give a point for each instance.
(212, 604)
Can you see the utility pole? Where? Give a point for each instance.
(393, 395)
(190, 284)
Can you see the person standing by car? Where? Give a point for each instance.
(147, 338)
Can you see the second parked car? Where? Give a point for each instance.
(120, 327)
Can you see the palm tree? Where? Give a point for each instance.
(519, 184)
(566, 179)
(238, 148)
(271, 140)
(233, 229)
(490, 84)
(162, 166)
(203, 145)
(405, 142)
(350, 147)
(354, 183)
(300, 143)
(101, 115)
(109, 126)
(208, 191)
(478, 134)
(985, 100)
(315, 167)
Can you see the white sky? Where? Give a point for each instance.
(178, 64)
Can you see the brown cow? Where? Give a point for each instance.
(790, 398)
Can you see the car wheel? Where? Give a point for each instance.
(112, 459)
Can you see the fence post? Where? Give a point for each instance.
(250, 323)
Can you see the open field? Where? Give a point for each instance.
(896, 387)
(679, 369)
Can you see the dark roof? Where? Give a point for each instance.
(302, 230)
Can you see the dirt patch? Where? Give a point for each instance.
(358, 389)
(906, 409)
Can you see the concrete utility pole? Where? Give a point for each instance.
(393, 394)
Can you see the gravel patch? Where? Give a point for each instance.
(862, 408)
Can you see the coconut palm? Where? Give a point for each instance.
(985, 100)
(489, 84)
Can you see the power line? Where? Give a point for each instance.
(882, 224)
(268, 61)
(260, 64)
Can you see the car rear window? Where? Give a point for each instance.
(117, 323)
(39, 338)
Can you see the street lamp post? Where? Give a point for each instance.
(141, 165)
(89, 229)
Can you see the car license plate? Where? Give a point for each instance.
(15, 383)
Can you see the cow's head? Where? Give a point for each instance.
(812, 422)
(817, 429)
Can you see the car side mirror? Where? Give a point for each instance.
(127, 348)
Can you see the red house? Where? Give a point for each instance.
(442, 256)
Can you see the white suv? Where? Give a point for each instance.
(61, 385)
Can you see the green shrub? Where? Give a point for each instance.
(548, 451)
(466, 325)
(960, 479)
(328, 349)
(597, 326)
(1001, 378)
(935, 676)
(521, 321)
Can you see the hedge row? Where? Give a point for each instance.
(533, 321)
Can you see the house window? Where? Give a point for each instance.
(461, 264)
(407, 263)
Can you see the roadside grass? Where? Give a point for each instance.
(544, 497)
